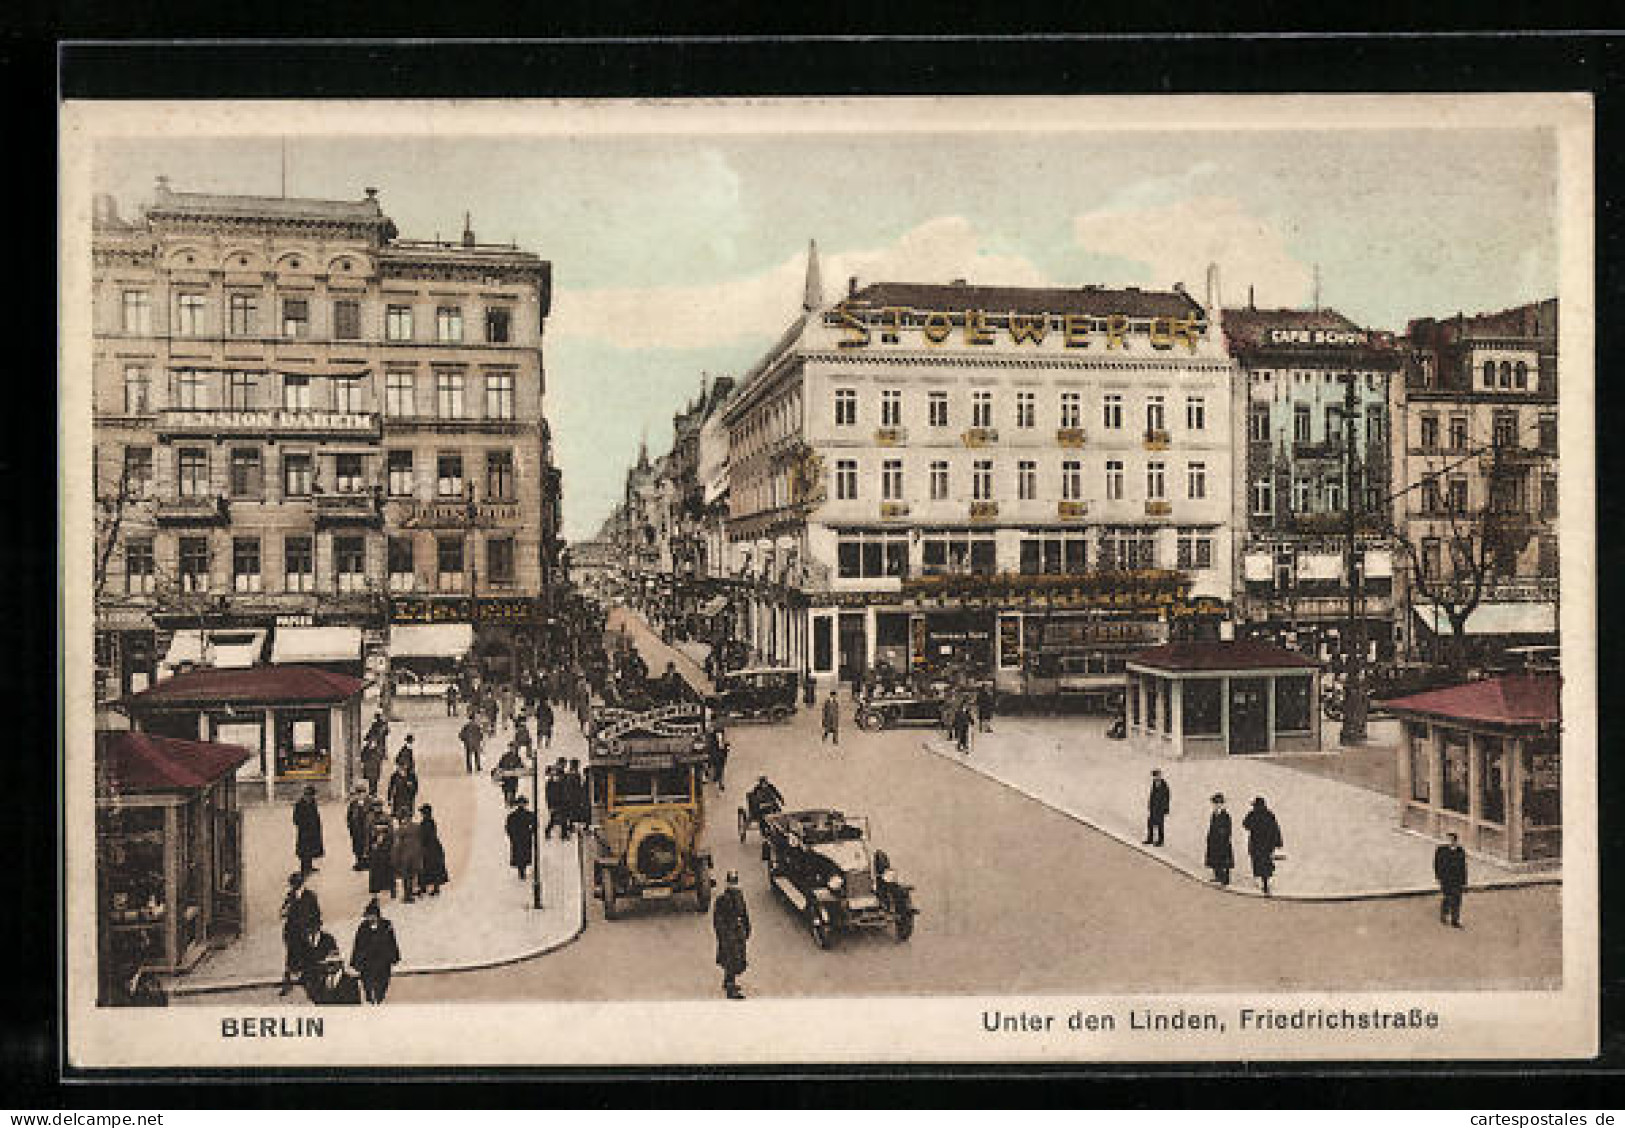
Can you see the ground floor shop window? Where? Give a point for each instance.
(1492, 787)
(134, 901)
(1152, 692)
(1454, 797)
(1292, 705)
(247, 734)
(1542, 784)
(303, 744)
(1419, 740)
(1204, 705)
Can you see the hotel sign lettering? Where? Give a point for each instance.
(460, 515)
(514, 609)
(979, 327)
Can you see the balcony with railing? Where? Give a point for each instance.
(1070, 436)
(1159, 508)
(193, 509)
(1156, 438)
(984, 510)
(353, 507)
(1071, 510)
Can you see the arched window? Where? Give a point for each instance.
(1506, 374)
(1520, 375)
(1489, 373)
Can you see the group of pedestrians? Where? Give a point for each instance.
(312, 957)
(1263, 829)
(565, 792)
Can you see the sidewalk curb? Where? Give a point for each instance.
(219, 988)
(1232, 890)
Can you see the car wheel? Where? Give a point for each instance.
(818, 927)
(871, 721)
(612, 902)
(744, 823)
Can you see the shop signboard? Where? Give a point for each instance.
(496, 609)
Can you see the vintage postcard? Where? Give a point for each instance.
(999, 580)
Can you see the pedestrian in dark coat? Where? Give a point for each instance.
(380, 853)
(473, 738)
(544, 724)
(1263, 839)
(301, 918)
(1156, 808)
(403, 791)
(962, 727)
(832, 719)
(559, 810)
(406, 851)
(434, 873)
(730, 919)
(716, 750)
(307, 826)
(1450, 869)
(984, 708)
(358, 821)
(374, 953)
(575, 788)
(521, 734)
(521, 828)
(507, 773)
(407, 757)
(1220, 856)
(372, 766)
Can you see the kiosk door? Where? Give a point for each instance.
(1249, 716)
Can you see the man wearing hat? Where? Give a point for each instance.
(473, 738)
(307, 827)
(1220, 857)
(521, 827)
(358, 820)
(1156, 809)
(301, 916)
(406, 852)
(731, 921)
(374, 953)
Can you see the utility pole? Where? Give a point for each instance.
(1354, 705)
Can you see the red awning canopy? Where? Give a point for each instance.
(1212, 656)
(139, 762)
(1516, 700)
(260, 685)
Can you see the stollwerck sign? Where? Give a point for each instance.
(980, 327)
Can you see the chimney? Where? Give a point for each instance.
(813, 295)
(1250, 304)
(468, 230)
(958, 282)
(852, 286)
(1215, 300)
(372, 193)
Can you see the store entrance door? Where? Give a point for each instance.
(853, 650)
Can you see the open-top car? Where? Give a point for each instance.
(821, 864)
(887, 710)
(757, 693)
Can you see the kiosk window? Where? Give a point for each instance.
(1421, 766)
(1291, 704)
(303, 744)
(1492, 782)
(1455, 773)
(1204, 705)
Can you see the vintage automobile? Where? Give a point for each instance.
(757, 693)
(820, 863)
(644, 772)
(757, 809)
(886, 710)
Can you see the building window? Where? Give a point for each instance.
(1195, 413)
(1376, 425)
(347, 474)
(1458, 432)
(190, 390)
(1334, 423)
(846, 407)
(937, 409)
(1071, 410)
(402, 575)
(1196, 480)
(137, 391)
(871, 555)
(1334, 495)
(1548, 434)
(194, 561)
(350, 564)
(401, 478)
(1432, 558)
(499, 560)
(296, 393)
(448, 324)
(1263, 497)
(189, 315)
(1072, 480)
(1520, 376)
(1548, 495)
(1506, 374)
(245, 564)
(957, 553)
(138, 471)
(1430, 432)
(1155, 481)
(1156, 417)
(346, 394)
(296, 470)
(498, 324)
(981, 409)
(846, 479)
(981, 480)
(1302, 425)
(1303, 495)
(1194, 550)
(399, 394)
(1489, 373)
(1431, 502)
(241, 390)
(891, 480)
(347, 319)
(1203, 707)
(1026, 410)
(247, 473)
(939, 481)
(1455, 756)
(499, 395)
(1492, 789)
(1053, 554)
(193, 471)
(1455, 496)
(398, 323)
(140, 566)
(243, 311)
(449, 394)
(1112, 412)
(449, 563)
(1128, 547)
(1546, 558)
(299, 563)
(295, 317)
(1114, 480)
(1026, 480)
(1416, 737)
(137, 312)
(891, 407)
(499, 475)
(1504, 429)
(449, 475)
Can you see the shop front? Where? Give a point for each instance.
(301, 724)
(169, 867)
(1215, 698)
(1484, 761)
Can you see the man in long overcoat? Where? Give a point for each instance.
(831, 719)
(731, 921)
(403, 791)
(372, 763)
(716, 753)
(358, 821)
(1221, 856)
(1156, 808)
(374, 953)
(434, 873)
(301, 917)
(380, 855)
(521, 828)
(473, 738)
(1450, 869)
(307, 826)
(406, 851)
(1263, 839)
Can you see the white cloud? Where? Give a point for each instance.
(760, 305)
(1177, 241)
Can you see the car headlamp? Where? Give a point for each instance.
(837, 882)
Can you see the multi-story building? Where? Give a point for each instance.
(302, 419)
(1027, 483)
(1300, 368)
(1478, 522)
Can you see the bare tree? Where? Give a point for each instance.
(111, 512)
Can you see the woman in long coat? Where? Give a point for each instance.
(408, 851)
(434, 873)
(374, 953)
(380, 859)
(1221, 856)
(1263, 839)
(730, 920)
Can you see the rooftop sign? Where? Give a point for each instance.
(1333, 338)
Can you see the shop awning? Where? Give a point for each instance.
(141, 763)
(1496, 619)
(1255, 566)
(1320, 566)
(714, 605)
(316, 644)
(431, 640)
(1379, 564)
(220, 650)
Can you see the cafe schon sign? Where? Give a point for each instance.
(1322, 338)
(990, 327)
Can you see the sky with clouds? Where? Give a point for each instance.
(677, 255)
